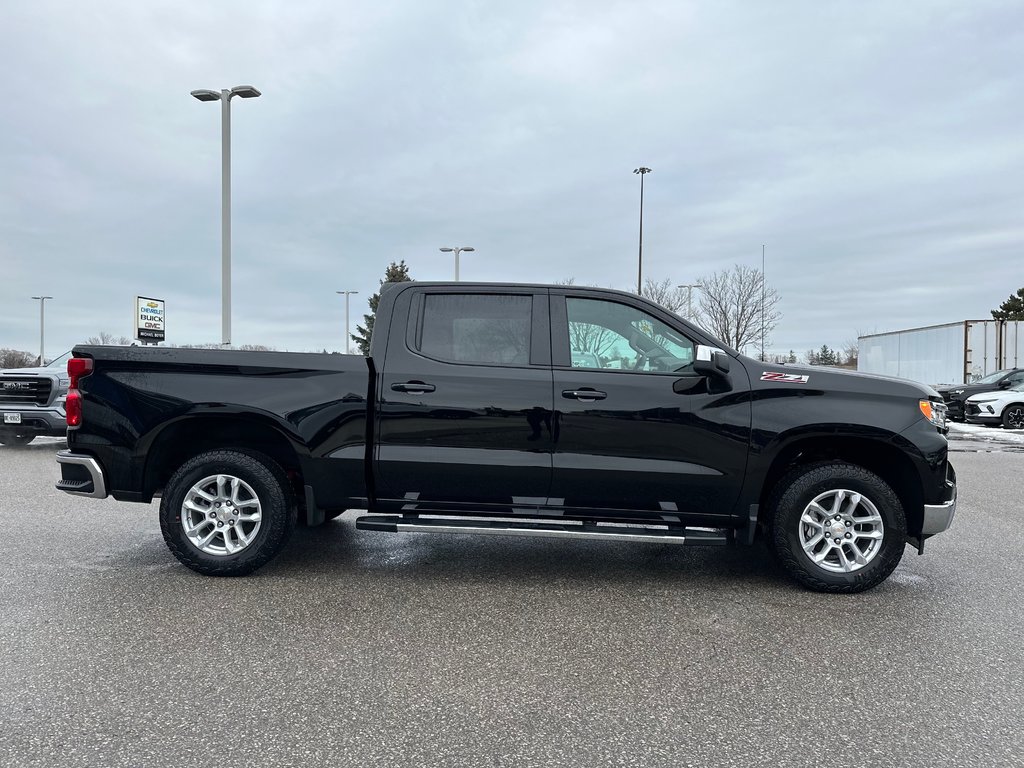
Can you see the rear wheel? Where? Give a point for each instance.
(10, 438)
(1013, 416)
(837, 527)
(226, 513)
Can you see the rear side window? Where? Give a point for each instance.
(476, 328)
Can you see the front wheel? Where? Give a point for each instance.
(1013, 416)
(226, 513)
(837, 527)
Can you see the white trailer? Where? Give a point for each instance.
(952, 353)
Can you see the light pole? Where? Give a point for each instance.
(42, 324)
(224, 97)
(689, 298)
(640, 258)
(457, 251)
(348, 337)
(762, 302)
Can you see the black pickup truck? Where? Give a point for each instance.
(523, 410)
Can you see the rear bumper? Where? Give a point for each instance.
(81, 475)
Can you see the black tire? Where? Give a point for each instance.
(10, 438)
(277, 507)
(1013, 416)
(798, 489)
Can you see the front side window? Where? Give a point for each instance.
(477, 328)
(608, 335)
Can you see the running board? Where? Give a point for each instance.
(614, 532)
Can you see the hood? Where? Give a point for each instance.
(30, 372)
(842, 378)
(968, 389)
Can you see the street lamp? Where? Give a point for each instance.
(640, 258)
(457, 251)
(762, 302)
(348, 338)
(224, 97)
(42, 323)
(689, 298)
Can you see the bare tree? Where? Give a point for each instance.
(14, 358)
(108, 338)
(666, 294)
(731, 306)
(587, 337)
(851, 351)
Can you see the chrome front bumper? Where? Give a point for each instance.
(938, 517)
(81, 475)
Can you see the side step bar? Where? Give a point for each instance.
(617, 532)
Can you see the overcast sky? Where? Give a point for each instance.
(876, 148)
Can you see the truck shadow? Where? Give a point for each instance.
(337, 551)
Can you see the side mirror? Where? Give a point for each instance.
(710, 361)
(1005, 384)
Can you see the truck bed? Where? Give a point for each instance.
(146, 404)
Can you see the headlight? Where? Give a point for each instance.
(934, 412)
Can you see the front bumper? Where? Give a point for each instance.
(81, 475)
(50, 421)
(983, 418)
(938, 517)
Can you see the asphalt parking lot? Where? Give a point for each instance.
(366, 649)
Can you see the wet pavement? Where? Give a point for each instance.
(365, 649)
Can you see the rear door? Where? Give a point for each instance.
(464, 412)
(635, 428)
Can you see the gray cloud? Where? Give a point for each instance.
(874, 147)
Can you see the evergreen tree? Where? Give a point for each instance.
(1012, 308)
(792, 357)
(823, 356)
(395, 273)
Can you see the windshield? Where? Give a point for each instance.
(992, 378)
(60, 362)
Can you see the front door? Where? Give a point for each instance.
(464, 413)
(635, 428)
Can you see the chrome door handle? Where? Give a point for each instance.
(413, 387)
(585, 395)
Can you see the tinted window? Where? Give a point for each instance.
(613, 336)
(474, 328)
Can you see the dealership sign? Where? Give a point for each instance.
(149, 319)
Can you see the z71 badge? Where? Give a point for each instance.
(788, 378)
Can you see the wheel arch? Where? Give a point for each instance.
(881, 457)
(1008, 406)
(187, 437)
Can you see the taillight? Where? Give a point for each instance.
(78, 367)
(73, 408)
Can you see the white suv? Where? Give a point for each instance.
(1004, 407)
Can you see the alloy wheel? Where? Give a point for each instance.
(221, 515)
(841, 531)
